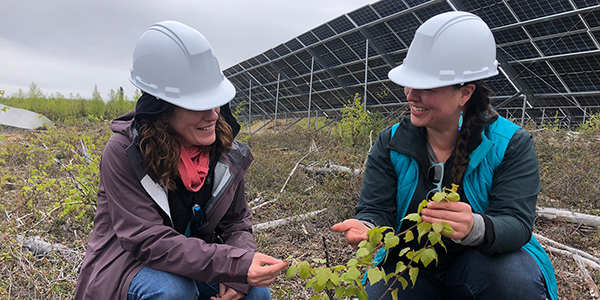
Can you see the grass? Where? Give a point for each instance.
(39, 197)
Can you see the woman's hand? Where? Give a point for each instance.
(264, 270)
(354, 230)
(227, 293)
(459, 215)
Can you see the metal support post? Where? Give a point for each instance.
(276, 102)
(366, 73)
(250, 107)
(312, 65)
(523, 113)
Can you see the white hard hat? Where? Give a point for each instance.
(175, 63)
(449, 48)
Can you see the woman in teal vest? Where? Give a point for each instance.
(454, 136)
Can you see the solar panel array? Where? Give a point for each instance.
(548, 50)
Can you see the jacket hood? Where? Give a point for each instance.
(122, 124)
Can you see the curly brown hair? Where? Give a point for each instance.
(475, 117)
(161, 150)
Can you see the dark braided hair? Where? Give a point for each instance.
(476, 114)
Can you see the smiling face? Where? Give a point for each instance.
(438, 108)
(195, 128)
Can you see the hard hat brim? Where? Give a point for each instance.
(204, 100)
(409, 78)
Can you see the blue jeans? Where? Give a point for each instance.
(150, 284)
(509, 276)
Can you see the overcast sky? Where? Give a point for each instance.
(68, 46)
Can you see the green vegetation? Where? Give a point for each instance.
(48, 181)
(347, 280)
(71, 110)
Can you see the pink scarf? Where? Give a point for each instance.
(193, 167)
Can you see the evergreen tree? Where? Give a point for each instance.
(96, 94)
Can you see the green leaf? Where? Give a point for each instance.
(395, 294)
(304, 269)
(438, 197)
(400, 267)
(353, 273)
(309, 284)
(315, 297)
(438, 227)
(292, 271)
(329, 285)
(335, 278)
(319, 260)
(363, 244)
(351, 290)
(428, 255)
(434, 237)
(322, 274)
(339, 292)
(375, 236)
(409, 236)
(422, 205)
(362, 252)
(453, 197)
(443, 245)
(403, 282)
(423, 228)
(374, 275)
(413, 272)
(403, 251)
(324, 296)
(352, 262)
(339, 267)
(447, 229)
(362, 295)
(391, 240)
(415, 217)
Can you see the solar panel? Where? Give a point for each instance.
(494, 13)
(384, 37)
(308, 38)
(527, 10)
(578, 42)
(432, 10)
(510, 35)
(293, 45)
(388, 7)
(341, 24)
(539, 78)
(549, 53)
(363, 15)
(592, 18)
(323, 32)
(585, 3)
(555, 26)
(404, 27)
(580, 74)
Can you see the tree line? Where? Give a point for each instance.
(62, 109)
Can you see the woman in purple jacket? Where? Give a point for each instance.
(172, 219)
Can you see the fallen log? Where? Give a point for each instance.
(271, 224)
(543, 239)
(41, 248)
(588, 262)
(589, 281)
(567, 216)
(330, 170)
